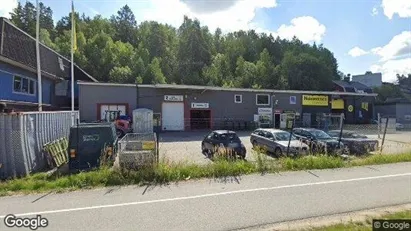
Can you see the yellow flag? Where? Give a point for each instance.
(73, 26)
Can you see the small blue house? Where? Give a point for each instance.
(18, 73)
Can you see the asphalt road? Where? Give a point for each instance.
(224, 204)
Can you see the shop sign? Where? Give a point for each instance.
(199, 105)
(289, 111)
(337, 104)
(174, 98)
(315, 100)
(293, 99)
(277, 111)
(265, 110)
(350, 108)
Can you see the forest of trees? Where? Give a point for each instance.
(121, 50)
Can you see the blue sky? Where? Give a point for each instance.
(363, 34)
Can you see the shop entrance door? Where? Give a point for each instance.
(277, 120)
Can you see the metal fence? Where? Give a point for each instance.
(22, 137)
(137, 150)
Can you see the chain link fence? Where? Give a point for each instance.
(394, 137)
(22, 137)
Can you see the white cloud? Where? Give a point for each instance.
(399, 46)
(356, 52)
(306, 28)
(207, 6)
(391, 68)
(6, 7)
(400, 7)
(374, 11)
(233, 15)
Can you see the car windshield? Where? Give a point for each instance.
(229, 137)
(283, 136)
(320, 134)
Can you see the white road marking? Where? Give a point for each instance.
(209, 195)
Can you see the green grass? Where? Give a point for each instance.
(167, 171)
(364, 225)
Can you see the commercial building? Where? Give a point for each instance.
(400, 110)
(18, 73)
(369, 79)
(186, 107)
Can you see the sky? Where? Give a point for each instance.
(364, 35)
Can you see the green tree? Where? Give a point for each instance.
(24, 17)
(193, 52)
(121, 75)
(218, 72)
(386, 91)
(161, 42)
(245, 74)
(125, 25)
(153, 74)
(305, 72)
(117, 49)
(98, 24)
(45, 39)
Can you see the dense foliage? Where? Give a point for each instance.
(119, 49)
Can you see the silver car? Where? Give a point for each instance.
(276, 141)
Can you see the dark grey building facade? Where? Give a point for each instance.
(184, 107)
(400, 111)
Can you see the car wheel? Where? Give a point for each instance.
(119, 133)
(314, 149)
(278, 152)
(203, 149)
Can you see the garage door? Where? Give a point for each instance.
(173, 116)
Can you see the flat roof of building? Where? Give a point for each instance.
(204, 88)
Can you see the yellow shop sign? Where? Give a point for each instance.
(337, 104)
(315, 100)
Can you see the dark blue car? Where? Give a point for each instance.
(223, 139)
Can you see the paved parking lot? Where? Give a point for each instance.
(186, 146)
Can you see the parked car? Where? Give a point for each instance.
(88, 142)
(276, 141)
(399, 126)
(223, 140)
(356, 143)
(319, 141)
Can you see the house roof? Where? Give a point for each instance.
(353, 86)
(19, 49)
(205, 88)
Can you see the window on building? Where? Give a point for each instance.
(263, 99)
(24, 85)
(17, 84)
(238, 98)
(107, 111)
